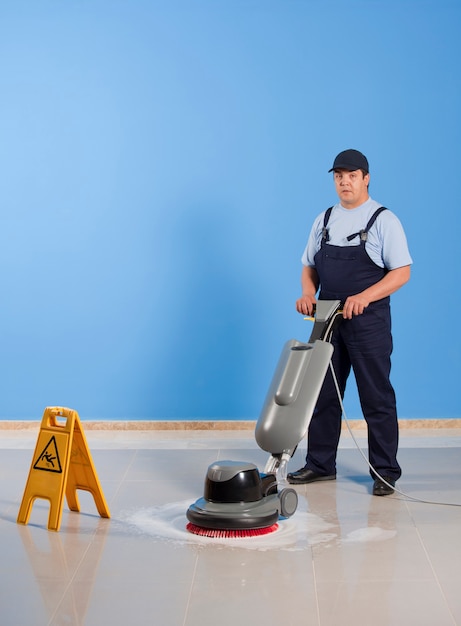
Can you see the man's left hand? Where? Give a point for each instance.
(354, 305)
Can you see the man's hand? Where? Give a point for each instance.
(392, 281)
(305, 305)
(354, 305)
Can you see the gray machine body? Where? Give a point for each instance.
(284, 419)
(295, 387)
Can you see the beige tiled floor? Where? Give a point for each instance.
(345, 557)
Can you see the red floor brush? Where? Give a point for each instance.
(224, 533)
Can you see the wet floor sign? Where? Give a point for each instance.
(61, 464)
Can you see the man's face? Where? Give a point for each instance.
(351, 187)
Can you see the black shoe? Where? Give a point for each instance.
(304, 475)
(381, 489)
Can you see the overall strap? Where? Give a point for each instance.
(325, 235)
(363, 234)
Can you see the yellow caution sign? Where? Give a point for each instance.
(61, 464)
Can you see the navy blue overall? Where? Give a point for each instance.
(365, 343)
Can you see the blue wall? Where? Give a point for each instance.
(161, 164)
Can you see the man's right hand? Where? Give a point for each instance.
(305, 305)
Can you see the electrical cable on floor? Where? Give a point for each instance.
(367, 461)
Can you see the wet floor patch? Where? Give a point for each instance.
(168, 522)
(300, 532)
(371, 533)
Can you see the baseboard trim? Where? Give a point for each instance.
(355, 424)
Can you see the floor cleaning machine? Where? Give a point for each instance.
(240, 501)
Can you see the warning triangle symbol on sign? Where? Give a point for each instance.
(49, 458)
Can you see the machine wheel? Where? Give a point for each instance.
(288, 502)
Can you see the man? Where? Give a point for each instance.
(357, 253)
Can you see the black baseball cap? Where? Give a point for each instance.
(350, 160)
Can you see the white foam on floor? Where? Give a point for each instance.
(168, 522)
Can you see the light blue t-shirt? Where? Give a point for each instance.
(386, 245)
